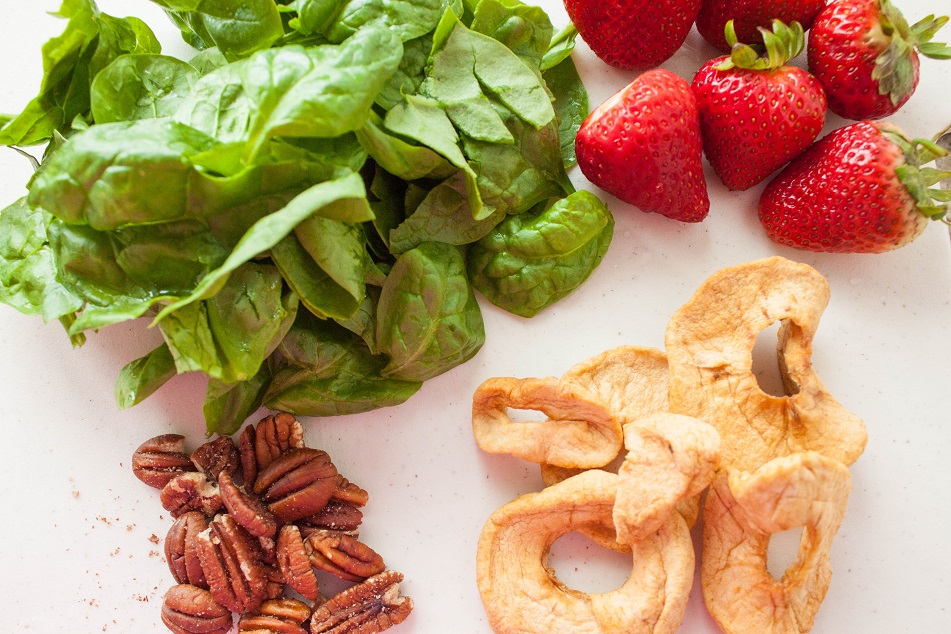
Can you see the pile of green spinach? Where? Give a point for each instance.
(306, 207)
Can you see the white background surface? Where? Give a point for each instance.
(78, 538)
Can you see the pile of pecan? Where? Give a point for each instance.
(261, 520)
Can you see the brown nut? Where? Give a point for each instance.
(342, 555)
(190, 610)
(191, 492)
(741, 512)
(346, 491)
(580, 431)
(249, 462)
(159, 459)
(275, 435)
(294, 563)
(216, 456)
(367, 608)
(181, 549)
(232, 563)
(336, 516)
(247, 510)
(710, 342)
(276, 616)
(297, 484)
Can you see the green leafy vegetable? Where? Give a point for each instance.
(71, 61)
(428, 318)
(327, 370)
(294, 206)
(140, 87)
(29, 279)
(528, 262)
(236, 27)
(139, 379)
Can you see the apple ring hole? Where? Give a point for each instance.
(783, 550)
(584, 565)
(766, 365)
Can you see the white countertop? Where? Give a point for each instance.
(82, 537)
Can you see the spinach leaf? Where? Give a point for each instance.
(524, 29)
(228, 405)
(444, 215)
(327, 370)
(121, 173)
(571, 105)
(230, 335)
(208, 60)
(428, 319)
(324, 262)
(463, 61)
(338, 20)
(517, 177)
(140, 379)
(71, 61)
(532, 260)
(343, 199)
(409, 74)
(29, 279)
(236, 27)
(423, 120)
(560, 47)
(293, 91)
(140, 87)
(400, 158)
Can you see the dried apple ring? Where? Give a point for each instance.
(742, 510)
(580, 430)
(521, 594)
(670, 459)
(709, 345)
(631, 381)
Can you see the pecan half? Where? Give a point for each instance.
(181, 549)
(342, 555)
(275, 435)
(188, 609)
(336, 515)
(190, 492)
(247, 510)
(159, 459)
(231, 561)
(298, 483)
(368, 608)
(347, 491)
(217, 456)
(249, 462)
(294, 562)
(278, 616)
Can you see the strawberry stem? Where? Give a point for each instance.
(917, 179)
(779, 46)
(894, 67)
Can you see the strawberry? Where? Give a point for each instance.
(757, 113)
(866, 56)
(633, 34)
(749, 15)
(643, 145)
(859, 189)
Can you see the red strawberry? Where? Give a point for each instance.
(757, 113)
(643, 145)
(866, 56)
(860, 189)
(748, 15)
(633, 34)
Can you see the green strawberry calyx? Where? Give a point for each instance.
(779, 46)
(894, 67)
(918, 179)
